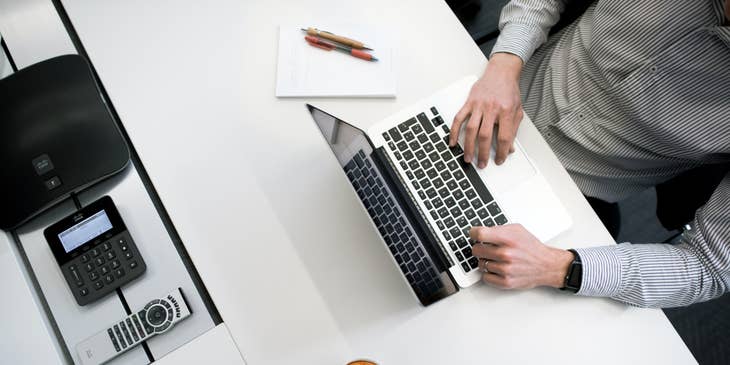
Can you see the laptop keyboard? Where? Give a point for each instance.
(398, 235)
(450, 189)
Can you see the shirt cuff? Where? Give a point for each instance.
(601, 271)
(519, 39)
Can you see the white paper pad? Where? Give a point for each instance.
(304, 70)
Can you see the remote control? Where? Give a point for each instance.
(158, 316)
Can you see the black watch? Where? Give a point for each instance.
(574, 277)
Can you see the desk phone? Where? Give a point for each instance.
(95, 251)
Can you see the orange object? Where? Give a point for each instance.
(316, 42)
(336, 38)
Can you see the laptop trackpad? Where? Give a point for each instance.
(516, 170)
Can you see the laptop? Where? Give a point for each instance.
(423, 198)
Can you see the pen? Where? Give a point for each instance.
(336, 38)
(316, 42)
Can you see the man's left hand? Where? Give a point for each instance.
(515, 259)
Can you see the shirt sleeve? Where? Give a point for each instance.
(664, 275)
(524, 25)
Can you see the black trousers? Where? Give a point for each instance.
(608, 213)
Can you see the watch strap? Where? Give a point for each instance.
(574, 276)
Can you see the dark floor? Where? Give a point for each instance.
(704, 327)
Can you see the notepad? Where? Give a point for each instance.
(304, 70)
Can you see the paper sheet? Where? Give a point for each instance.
(304, 70)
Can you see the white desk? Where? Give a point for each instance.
(286, 252)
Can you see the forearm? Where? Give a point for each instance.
(524, 26)
(663, 275)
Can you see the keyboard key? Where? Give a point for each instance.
(431, 193)
(402, 146)
(434, 137)
(426, 183)
(408, 136)
(434, 111)
(419, 174)
(422, 194)
(410, 175)
(489, 222)
(407, 124)
(417, 128)
(428, 205)
(407, 155)
(426, 164)
(423, 138)
(397, 155)
(439, 166)
(465, 266)
(494, 209)
(437, 183)
(450, 202)
(475, 223)
(440, 225)
(391, 145)
(453, 186)
(446, 234)
(443, 212)
(461, 221)
(434, 215)
(449, 222)
(446, 155)
(455, 211)
(464, 184)
(453, 165)
(445, 128)
(432, 173)
(437, 202)
(445, 175)
(470, 194)
(459, 256)
(415, 146)
(456, 150)
(473, 262)
(386, 136)
(413, 164)
(434, 156)
(462, 242)
(453, 246)
(420, 155)
(476, 203)
(500, 219)
(457, 194)
(464, 204)
(437, 121)
(427, 147)
(425, 122)
(470, 214)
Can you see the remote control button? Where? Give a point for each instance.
(89, 267)
(109, 279)
(105, 270)
(157, 315)
(119, 273)
(83, 292)
(93, 276)
(94, 252)
(164, 327)
(115, 264)
(72, 267)
(126, 332)
(110, 255)
(98, 285)
(138, 327)
(132, 330)
(167, 305)
(84, 258)
(106, 246)
(128, 255)
(133, 265)
(99, 261)
(79, 283)
(121, 242)
(114, 340)
(119, 336)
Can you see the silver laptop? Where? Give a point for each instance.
(423, 198)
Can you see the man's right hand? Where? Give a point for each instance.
(494, 100)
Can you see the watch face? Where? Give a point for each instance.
(576, 276)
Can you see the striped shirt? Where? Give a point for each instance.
(630, 95)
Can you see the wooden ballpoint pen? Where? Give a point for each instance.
(336, 38)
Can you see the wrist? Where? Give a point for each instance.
(557, 268)
(506, 64)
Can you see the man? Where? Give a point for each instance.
(630, 95)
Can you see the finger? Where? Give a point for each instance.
(485, 251)
(505, 135)
(485, 137)
(456, 124)
(493, 279)
(496, 235)
(490, 266)
(512, 148)
(472, 127)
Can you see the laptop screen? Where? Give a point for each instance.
(345, 140)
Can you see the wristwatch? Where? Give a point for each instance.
(574, 277)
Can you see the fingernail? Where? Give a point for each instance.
(482, 165)
(500, 161)
(467, 158)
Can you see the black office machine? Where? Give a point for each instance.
(57, 137)
(95, 251)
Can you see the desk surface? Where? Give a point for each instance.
(287, 254)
